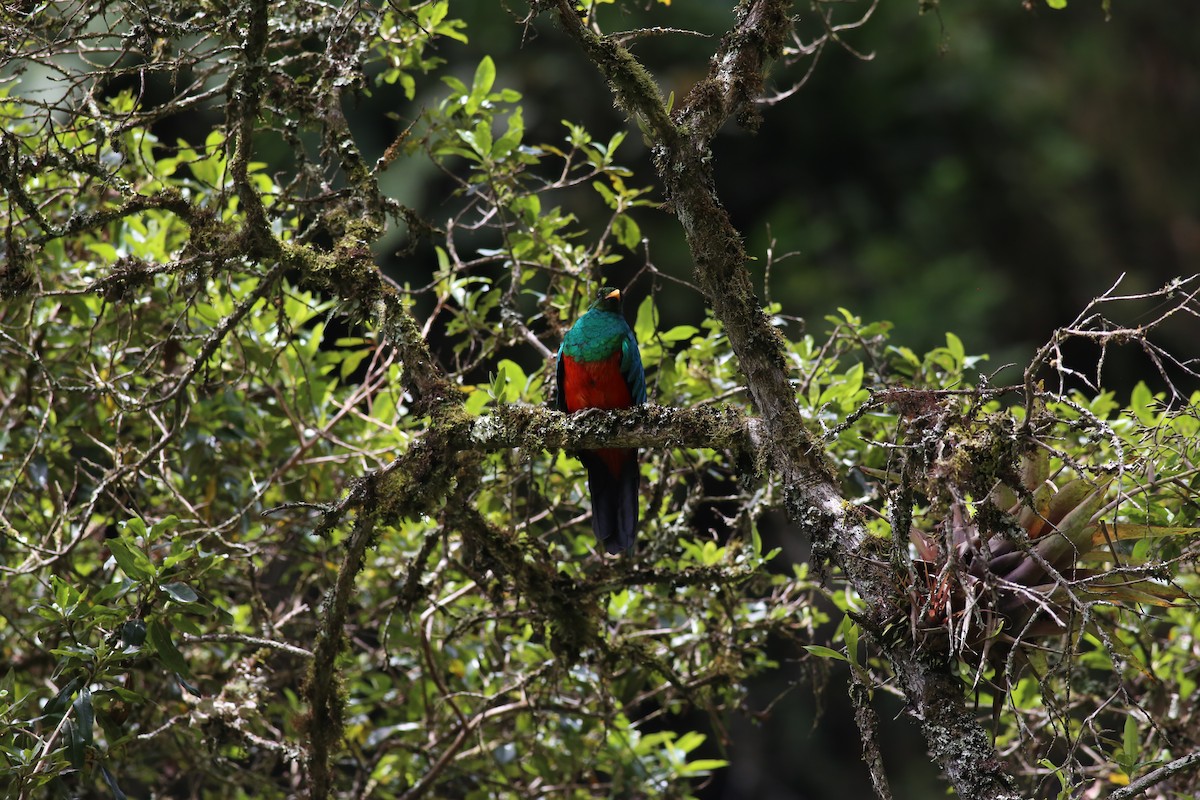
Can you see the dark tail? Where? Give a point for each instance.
(613, 483)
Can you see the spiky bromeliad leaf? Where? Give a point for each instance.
(1025, 581)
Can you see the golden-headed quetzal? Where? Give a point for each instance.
(599, 366)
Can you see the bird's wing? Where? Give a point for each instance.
(560, 396)
(631, 368)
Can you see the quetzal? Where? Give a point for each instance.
(599, 366)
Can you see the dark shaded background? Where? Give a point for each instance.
(988, 172)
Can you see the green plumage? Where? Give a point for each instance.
(599, 366)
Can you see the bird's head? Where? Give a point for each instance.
(607, 299)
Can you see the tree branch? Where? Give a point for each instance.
(648, 426)
(1156, 777)
(632, 85)
(813, 498)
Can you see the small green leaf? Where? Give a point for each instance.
(160, 640)
(647, 320)
(131, 560)
(824, 652)
(477, 401)
(1057, 4)
(58, 704)
(485, 77)
(85, 714)
(133, 632)
(627, 231)
(1130, 746)
(509, 382)
(850, 635)
(75, 745)
(610, 198)
(512, 136)
(167, 523)
(907, 354)
(680, 333)
(703, 766)
(1141, 403)
(111, 592)
(690, 741)
(955, 346)
(351, 361)
(853, 381)
(180, 592)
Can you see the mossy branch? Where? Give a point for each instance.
(648, 426)
(813, 497)
(632, 85)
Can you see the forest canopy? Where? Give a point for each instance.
(287, 508)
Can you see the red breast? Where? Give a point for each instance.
(595, 384)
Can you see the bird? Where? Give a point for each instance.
(600, 366)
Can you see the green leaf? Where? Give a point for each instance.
(824, 652)
(85, 714)
(1141, 403)
(480, 139)
(907, 354)
(627, 231)
(160, 640)
(485, 77)
(477, 401)
(131, 559)
(853, 382)
(180, 592)
(610, 197)
(1130, 745)
(690, 741)
(509, 382)
(703, 766)
(112, 591)
(75, 745)
(59, 703)
(1057, 4)
(166, 524)
(850, 635)
(512, 136)
(679, 333)
(955, 346)
(646, 320)
(133, 632)
(351, 361)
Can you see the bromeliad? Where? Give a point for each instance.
(599, 366)
(1025, 571)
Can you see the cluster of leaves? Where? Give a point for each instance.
(173, 410)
